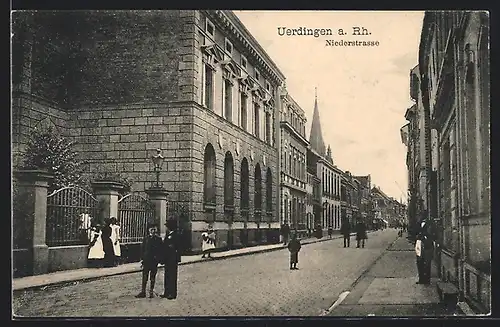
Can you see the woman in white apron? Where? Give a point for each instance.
(208, 242)
(115, 238)
(96, 251)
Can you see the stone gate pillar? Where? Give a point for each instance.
(158, 196)
(32, 191)
(106, 192)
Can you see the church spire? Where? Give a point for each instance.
(316, 136)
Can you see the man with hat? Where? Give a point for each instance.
(151, 255)
(171, 259)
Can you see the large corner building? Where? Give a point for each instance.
(194, 84)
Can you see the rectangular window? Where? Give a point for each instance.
(268, 128)
(228, 46)
(228, 100)
(244, 122)
(208, 87)
(210, 28)
(256, 121)
(243, 62)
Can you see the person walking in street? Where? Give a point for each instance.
(207, 242)
(96, 251)
(107, 244)
(330, 232)
(285, 232)
(115, 238)
(361, 234)
(345, 230)
(171, 259)
(424, 249)
(151, 255)
(294, 248)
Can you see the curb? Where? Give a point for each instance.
(135, 270)
(356, 282)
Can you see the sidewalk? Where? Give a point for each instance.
(389, 288)
(70, 276)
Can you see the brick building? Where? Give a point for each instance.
(293, 175)
(455, 85)
(194, 84)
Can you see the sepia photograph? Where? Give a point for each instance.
(250, 163)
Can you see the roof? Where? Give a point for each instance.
(316, 136)
(382, 194)
(364, 180)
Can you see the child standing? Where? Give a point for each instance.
(294, 248)
(150, 258)
(96, 251)
(208, 242)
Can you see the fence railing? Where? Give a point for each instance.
(69, 214)
(134, 213)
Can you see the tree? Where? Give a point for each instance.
(50, 151)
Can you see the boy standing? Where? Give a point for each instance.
(150, 257)
(294, 248)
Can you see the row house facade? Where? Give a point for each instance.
(294, 180)
(347, 193)
(421, 176)
(331, 178)
(193, 83)
(365, 201)
(455, 85)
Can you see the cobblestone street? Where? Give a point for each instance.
(252, 285)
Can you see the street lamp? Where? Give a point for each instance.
(158, 162)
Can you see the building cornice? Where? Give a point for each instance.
(232, 23)
(293, 131)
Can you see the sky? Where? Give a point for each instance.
(363, 92)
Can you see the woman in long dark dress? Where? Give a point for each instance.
(107, 244)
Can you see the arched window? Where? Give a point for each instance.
(209, 189)
(244, 197)
(258, 188)
(269, 190)
(228, 180)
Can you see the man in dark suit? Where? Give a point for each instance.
(424, 248)
(171, 259)
(151, 253)
(345, 230)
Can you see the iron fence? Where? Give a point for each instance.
(69, 214)
(134, 213)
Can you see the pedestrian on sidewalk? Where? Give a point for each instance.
(115, 238)
(171, 259)
(361, 234)
(424, 249)
(151, 255)
(285, 232)
(345, 230)
(330, 232)
(107, 244)
(207, 242)
(294, 248)
(96, 251)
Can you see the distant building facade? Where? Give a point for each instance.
(293, 176)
